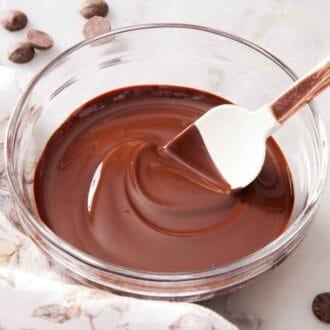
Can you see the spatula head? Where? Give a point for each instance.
(226, 145)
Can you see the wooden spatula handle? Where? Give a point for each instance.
(304, 90)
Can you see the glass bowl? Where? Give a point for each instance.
(171, 54)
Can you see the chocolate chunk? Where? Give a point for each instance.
(39, 39)
(22, 52)
(95, 26)
(90, 8)
(321, 307)
(15, 20)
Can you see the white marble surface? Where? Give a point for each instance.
(298, 32)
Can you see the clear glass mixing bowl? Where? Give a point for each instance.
(174, 54)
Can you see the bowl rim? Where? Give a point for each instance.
(301, 221)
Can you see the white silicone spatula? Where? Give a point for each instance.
(227, 144)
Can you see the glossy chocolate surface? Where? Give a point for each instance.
(105, 185)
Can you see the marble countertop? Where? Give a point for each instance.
(298, 32)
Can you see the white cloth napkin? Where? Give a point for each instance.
(31, 302)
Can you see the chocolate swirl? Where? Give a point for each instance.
(105, 185)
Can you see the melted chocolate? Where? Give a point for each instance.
(105, 185)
